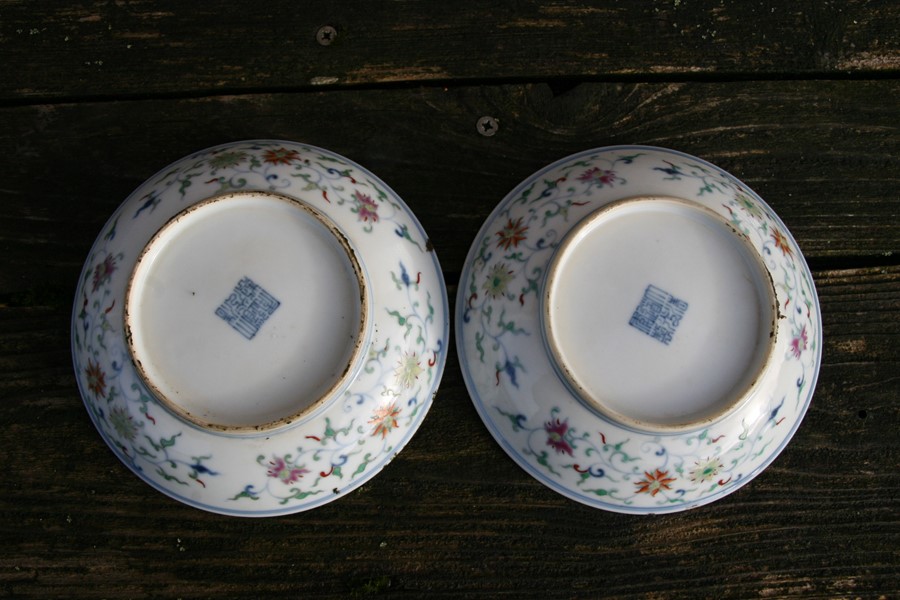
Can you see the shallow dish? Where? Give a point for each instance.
(638, 330)
(260, 328)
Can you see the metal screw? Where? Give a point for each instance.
(487, 126)
(325, 35)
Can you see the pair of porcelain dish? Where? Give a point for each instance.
(262, 326)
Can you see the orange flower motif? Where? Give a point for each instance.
(280, 156)
(654, 482)
(385, 419)
(511, 234)
(781, 243)
(96, 379)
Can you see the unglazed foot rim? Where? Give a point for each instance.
(658, 314)
(247, 312)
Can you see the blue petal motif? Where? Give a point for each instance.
(774, 413)
(203, 469)
(510, 369)
(596, 471)
(404, 276)
(672, 171)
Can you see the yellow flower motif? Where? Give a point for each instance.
(497, 280)
(706, 470)
(408, 369)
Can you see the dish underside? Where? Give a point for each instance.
(638, 330)
(246, 311)
(658, 314)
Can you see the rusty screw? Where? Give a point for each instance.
(325, 35)
(487, 126)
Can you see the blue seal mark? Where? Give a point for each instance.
(658, 314)
(247, 307)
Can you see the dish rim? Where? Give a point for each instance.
(508, 445)
(441, 297)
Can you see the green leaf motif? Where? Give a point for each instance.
(298, 495)
(362, 466)
(542, 460)
(248, 493)
(167, 477)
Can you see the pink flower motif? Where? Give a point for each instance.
(367, 208)
(281, 469)
(598, 175)
(556, 436)
(799, 343)
(104, 270)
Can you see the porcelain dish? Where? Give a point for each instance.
(638, 329)
(260, 328)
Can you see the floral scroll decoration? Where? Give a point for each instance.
(640, 471)
(610, 465)
(765, 231)
(274, 167)
(510, 262)
(361, 431)
(397, 375)
(120, 406)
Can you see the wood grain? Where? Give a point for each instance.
(825, 155)
(70, 50)
(452, 516)
(800, 100)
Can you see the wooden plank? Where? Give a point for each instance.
(825, 155)
(67, 50)
(452, 516)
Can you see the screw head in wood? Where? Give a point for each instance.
(326, 35)
(487, 126)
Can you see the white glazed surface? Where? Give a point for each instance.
(257, 374)
(600, 274)
(347, 438)
(535, 412)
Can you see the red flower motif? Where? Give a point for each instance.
(96, 379)
(385, 419)
(799, 343)
(556, 436)
(781, 243)
(280, 156)
(654, 482)
(511, 234)
(104, 270)
(279, 468)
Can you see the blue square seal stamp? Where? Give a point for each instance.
(658, 314)
(247, 307)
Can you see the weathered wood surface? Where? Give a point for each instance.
(801, 101)
(71, 50)
(825, 155)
